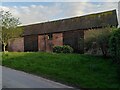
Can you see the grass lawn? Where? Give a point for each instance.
(82, 71)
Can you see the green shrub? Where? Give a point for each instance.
(67, 49)
(103, 41)
(57, 49)
(101, 38)
(114, 44)
(63, 49)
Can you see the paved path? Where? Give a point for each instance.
(18, 79)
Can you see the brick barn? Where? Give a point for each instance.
(70, 31)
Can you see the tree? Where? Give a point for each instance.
(9, 28)
(114, 44)
(103, 40)
(98, 40)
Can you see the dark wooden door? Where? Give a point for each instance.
(31, 43)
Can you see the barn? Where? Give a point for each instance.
(70, 31)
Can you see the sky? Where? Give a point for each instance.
(36, 12)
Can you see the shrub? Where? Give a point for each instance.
(101, 38)
(67, 49)
(57, 49)
(63, 49)
(103, 41)
(114, 44)
(88, 43)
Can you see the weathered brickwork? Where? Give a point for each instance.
(58, 39)
(46, 44)
(16, 45)
(41, 42)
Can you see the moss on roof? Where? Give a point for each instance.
(83, 22)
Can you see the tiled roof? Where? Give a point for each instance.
(97, 20)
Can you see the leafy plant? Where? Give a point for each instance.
(114, 44)
(57, 49)
(63, 49)
(100, 37)
(9, 28)
(67, 49)
(103, 40)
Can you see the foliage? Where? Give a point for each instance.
(84, 71)
(11, 33)
(8, 21)
(9, 27)
(67, 49)
(114, 44)
(57, 49)
(103, 40)
(100, 37)
(63, 49)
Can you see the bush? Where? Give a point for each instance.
(98, 40)
(63, 49)
(57, 49)
(67, 49)
(103, 41)
(114, 44)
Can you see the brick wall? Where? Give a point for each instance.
(42, 42)
(58, 39)
(45, 44)
(16, 45)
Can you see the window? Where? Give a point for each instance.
(50, 36)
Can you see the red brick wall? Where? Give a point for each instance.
(16, 45)
(41, 42)
(44, 44)
(58, 39)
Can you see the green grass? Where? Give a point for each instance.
(83, 71)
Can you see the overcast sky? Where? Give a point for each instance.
(34, 12)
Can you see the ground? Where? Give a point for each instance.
(17, 79)
(82, 71)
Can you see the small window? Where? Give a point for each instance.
(50, 36)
